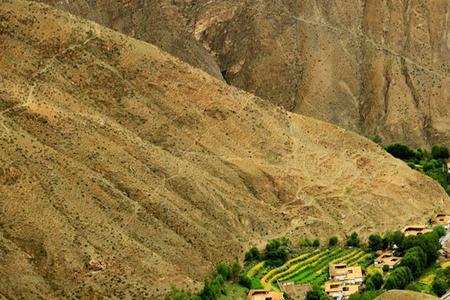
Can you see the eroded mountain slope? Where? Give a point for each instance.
(375, 67)
(371, 66)
(124, 170)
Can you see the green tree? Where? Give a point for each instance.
(385, 268)
(439, 286)
(399, 278)
(224, 270)
(440, 152)
(235, 269)
(333, 241)
(353, 240)
(316, 243)
(400, 151)
(367, 295)
(374, 282)
(376, 242)
(416, 260)
(314, 295)
(245, 281)
(276, 252)
(253, 254)
(439, 230)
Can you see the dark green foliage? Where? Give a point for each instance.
(224, 270)
(333, 241)
(245, 281)
(368, 295)
(429, 243)
(440, 152)
(391, 238)
(253, 254)
(439, 286)
(439, 230)
(374, 282)
(314, 295)
(212, 289)
(399, 278)
(433, 165)
(305, 243)
(235, 269)
(353, 240)
(316, 243)
(276, 252)
(385, 268)
(416, 260)
(400, 151)
(376, 242)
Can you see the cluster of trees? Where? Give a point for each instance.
(309, 243)
(215, 288)
(275, 253)
(433, 164)
(441, 282)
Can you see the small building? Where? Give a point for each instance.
(341, 272)
(295, 291)
(387, 259)
(264, 295)
(416, 230)
(441, 219)
(339, 290)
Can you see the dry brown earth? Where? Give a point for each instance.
(124, 170)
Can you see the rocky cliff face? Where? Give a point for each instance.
(375, 67)
(124, 170)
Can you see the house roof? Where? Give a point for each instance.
(416, 229)
(337, 269)
(441, 218)
(333, 286)
(350, 289)
(354, 272)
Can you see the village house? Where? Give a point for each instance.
(264, 295)
(387, 259)
(350, 275)
(339, 290)
(416, 230)
(441, 219)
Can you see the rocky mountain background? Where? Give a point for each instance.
(377, 67)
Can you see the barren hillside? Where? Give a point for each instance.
(124, 170)
(405, 295)
(371, 66)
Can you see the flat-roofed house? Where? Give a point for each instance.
(346, 274)
(264, 295)
(387, 259)
(339, 290)
(338, 271)
(416, 230)
(441, 219)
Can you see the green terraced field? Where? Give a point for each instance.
(310, 267)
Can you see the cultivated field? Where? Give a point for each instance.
(309, 267)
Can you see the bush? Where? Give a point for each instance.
(353, 240)
(314, 295)
(253, 254)
(439, 230)
(439, 286)
(374, 282)
(377, 139)
(235, 269)
(385, 268)
(305, 242)
(316, 243)
(393, 238)
(224, 270)
(399, 278)
(276, 252)
(333, 241)
(400, 151)
(440, 152)
(245, 281)
(376, 242)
